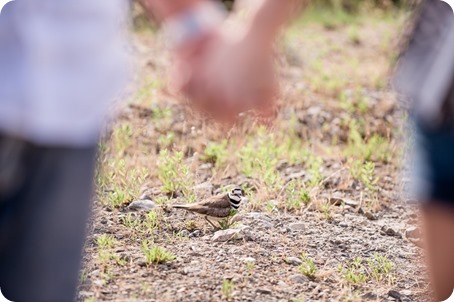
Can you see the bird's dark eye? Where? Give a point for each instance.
(237, 191)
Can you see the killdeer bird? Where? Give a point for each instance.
(216, 207)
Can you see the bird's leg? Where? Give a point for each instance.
(206, 217)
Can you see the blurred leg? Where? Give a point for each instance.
(42, 225)
(438, 220)
(433, 166)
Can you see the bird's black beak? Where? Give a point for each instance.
(238, 191)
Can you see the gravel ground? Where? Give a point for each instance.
(274, 243)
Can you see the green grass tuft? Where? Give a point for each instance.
(156, 254)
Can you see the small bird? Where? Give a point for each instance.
(216, 207)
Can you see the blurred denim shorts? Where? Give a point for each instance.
(425, 75)
(433, 164)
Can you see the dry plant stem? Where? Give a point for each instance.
(360, 202)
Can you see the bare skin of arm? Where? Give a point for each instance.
(235, 72)
(438, 222)
(164, 9)
(221, 74)
(271, 16)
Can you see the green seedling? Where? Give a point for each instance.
(156, 254)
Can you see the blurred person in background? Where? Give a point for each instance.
(61, 65)
(425, 74)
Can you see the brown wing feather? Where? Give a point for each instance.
(219, 201)
(214, 212)
(216, 206)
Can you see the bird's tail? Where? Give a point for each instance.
(180, 206)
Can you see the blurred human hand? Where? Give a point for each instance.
(226, 72)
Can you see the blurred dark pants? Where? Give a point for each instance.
(45, 196)
(433, 164)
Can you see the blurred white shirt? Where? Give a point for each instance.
(62, 62)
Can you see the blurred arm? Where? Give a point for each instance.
(164, 9)
(271, 16)
(186, 22)
(225, 67)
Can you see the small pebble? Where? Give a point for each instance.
(297, 226)
(294, 261)
(184, 233)
(370, 216)
(343, 224)
(248, 259)
(196, 233)
(142, 205)
(263, 291)
(387, 230)
(394, 294)
(283, 230)
(406, 292)
(299, 279)
(413, 233)
(84, 293)
(231, 234)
